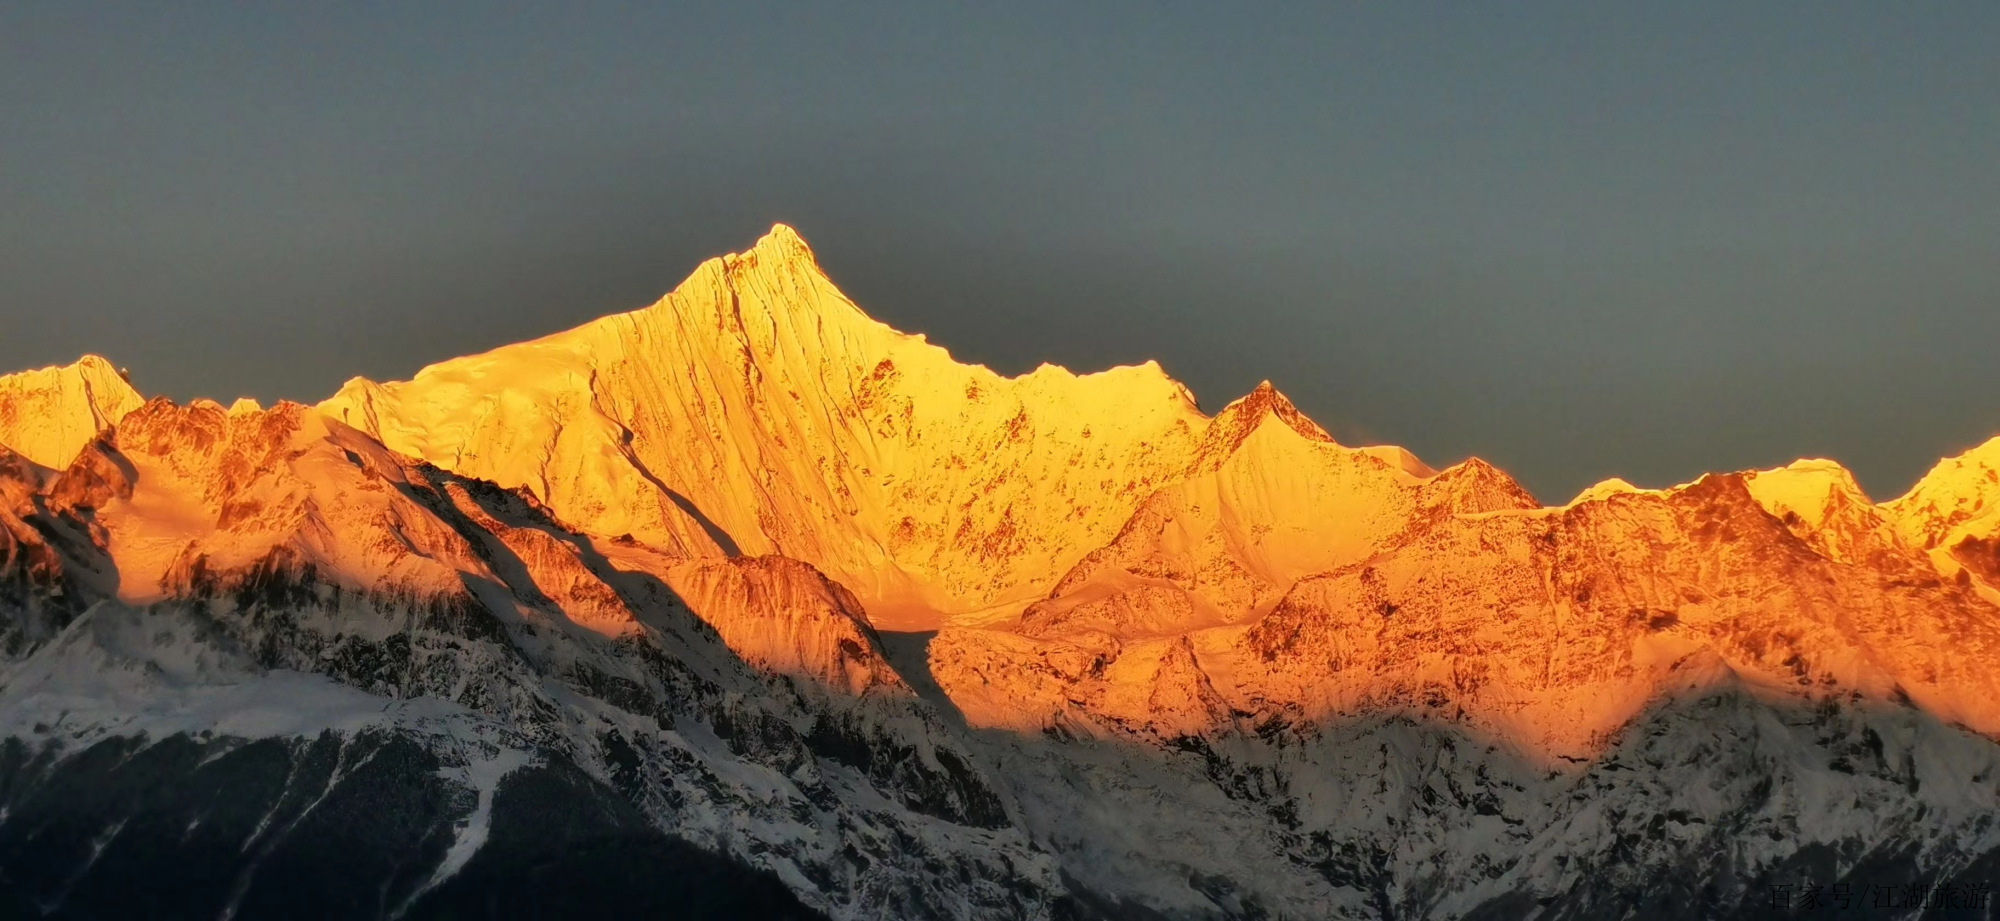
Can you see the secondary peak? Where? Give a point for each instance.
(1267, 401)
(1236, 422)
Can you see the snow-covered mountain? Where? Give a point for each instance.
(744, 604)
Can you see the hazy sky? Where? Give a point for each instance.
(1578, 241)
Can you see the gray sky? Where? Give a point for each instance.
(1576, 241)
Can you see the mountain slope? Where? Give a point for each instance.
(1268, 498)
(239, 575)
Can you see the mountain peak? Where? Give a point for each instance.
(1814, 477)
(782, 234)
(1819, 501)
(1605, 489)
(1958, 498)
(98, 366)
(50, 414)
(1240, 419)
(1267, 401)
(780, 244)
(1971, 467)
(756, 408)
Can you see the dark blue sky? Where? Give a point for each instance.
(1578, 241)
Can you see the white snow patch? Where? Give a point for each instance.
(485, 776)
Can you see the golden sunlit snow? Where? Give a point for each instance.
(1097, 555)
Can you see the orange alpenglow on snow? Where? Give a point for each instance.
(47, 416)
(1096, 556)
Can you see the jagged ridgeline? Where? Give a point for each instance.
(746, 605)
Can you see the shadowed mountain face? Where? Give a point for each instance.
(745, 604)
